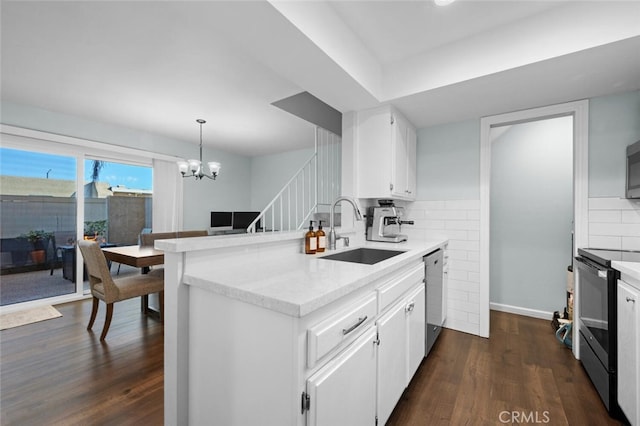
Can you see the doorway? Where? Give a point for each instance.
(579, 112)
(531, 225)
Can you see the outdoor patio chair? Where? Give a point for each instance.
(110, 290)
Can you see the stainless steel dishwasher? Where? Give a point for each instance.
(433, 263)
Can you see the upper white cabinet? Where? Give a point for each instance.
(629, 351)
(386, 155)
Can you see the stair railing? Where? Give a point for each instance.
(315, 184)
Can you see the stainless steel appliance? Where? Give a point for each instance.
(384, 222)
(633, 171)
(434, 314)
(597, 292)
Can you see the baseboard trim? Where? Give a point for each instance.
(534, 313)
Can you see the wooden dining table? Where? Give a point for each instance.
(136, 256)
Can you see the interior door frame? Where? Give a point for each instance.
(579, 110)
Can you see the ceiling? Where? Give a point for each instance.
(157, 66)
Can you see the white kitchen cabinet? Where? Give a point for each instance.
(386, 155)
(330, 333)
(629, 351)
(412, 152)
(401, 348)
(253, 365)
(415, 308)
(343, 391)
(392, 360)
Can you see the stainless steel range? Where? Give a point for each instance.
(597, 286)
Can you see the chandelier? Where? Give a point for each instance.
(195, 166)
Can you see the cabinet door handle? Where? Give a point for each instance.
(629, 299)
(410, 307)
(346, 331)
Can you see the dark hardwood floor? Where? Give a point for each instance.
(57, 373)
(521, 375)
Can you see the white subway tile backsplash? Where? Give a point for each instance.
(473, 225)
(474, 319)
(473, 235)
(456, 234)
(413, 214)
(428, 205)
(459, 222)
(605, 216)
(464, 245)
(429, 224)
(613, 203)
(446, 214)
(473, 214)
(457, 274)
(473, 256)
(463, 204)
(455, 314)
(630, 243)
(614, 223)
(465, 265)
(462, 285)
(630, 216)
(615, 229)
(598, 241)
(457, 295)
(459, 305)
(458, 254)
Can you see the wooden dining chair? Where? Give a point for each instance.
(110, 290)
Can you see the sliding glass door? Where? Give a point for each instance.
(117, 205)
(41, 219)
(38, 221)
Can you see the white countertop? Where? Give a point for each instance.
(292, 283)
(630, 272)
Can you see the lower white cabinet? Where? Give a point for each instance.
(392, 360)
(344, 364)
(401, 348)
(343, 391)
(415, 330)
(629, 351)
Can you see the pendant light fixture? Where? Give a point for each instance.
(195, 166)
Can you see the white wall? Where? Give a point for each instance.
(449, 162)
(269, 173)
(614, 123)
(531, 214)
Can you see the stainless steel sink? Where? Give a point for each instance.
(367, 256)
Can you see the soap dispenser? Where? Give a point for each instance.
(322, 239)
(310, 240)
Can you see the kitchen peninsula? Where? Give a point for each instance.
(256, 332)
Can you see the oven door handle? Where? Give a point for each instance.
(592, 269)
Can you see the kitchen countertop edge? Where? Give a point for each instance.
(267, 295)
(630, 269)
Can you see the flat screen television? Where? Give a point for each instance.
(222, 220)
(633, 171)
(242, 220)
